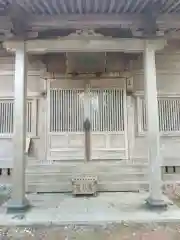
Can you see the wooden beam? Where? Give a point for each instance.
(77, 21)
(84, 44)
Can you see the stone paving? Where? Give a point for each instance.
(109, 216)
(60, 209)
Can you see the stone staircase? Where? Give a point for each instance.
(112, 176)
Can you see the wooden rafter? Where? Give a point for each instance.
(173, 6)
(45, 15)
(88, 6)
(17, 17)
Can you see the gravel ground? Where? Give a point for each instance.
(124, 231)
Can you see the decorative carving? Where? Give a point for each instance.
(86, 33)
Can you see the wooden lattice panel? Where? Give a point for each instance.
(84, 185)
(7, 112)
(169, 114)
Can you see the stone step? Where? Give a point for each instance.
(85, 167)
(102, 176)
(112, 175)
(104, 186)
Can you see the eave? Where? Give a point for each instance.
(46, 15)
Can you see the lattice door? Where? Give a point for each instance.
(67, 110)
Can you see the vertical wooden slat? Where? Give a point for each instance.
(176, 113)
(6, 116)
(177, 118)
(163, 107)
(28, 116)
(96, 112)
(72, 116)
(52, 110)
(169, 114)
(58, 110)
(119, 105)
(115, 100)
(106, 110)
(122, 106)
(103, 119)
(177, 109)
(172, 115)
(110, 106)
(109, 116)
(96, 122)
(165, 115)
(100, 111)
(65, 110)
(161, 125)
(1, 118)
(116, 106)
(73, 104)
(122, 110)
(106, 118)
(78, 107)
(3, 127)
(10, 118)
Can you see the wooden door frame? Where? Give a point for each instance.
(126, 142)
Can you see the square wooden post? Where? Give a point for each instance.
(154, 155)
(18, 200)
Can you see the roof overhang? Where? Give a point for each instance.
(27, 18)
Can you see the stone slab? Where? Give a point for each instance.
(61, 209)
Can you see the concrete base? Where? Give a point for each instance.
(153, 203)
(13, 206)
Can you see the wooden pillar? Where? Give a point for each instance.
(154, 155)
(18, 200)
(130, 126)
(87, 123)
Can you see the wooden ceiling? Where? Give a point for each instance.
(143, 18)
(52, 7)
